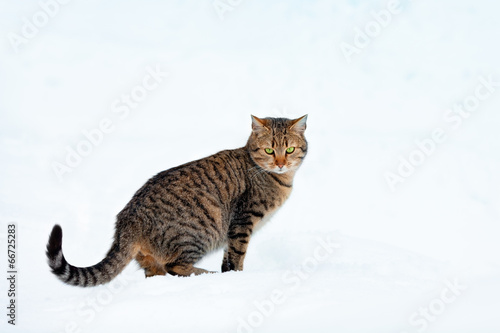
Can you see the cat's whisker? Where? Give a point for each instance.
(256, 172)
(185, 212)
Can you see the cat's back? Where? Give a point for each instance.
(221, 170)
(207, 184)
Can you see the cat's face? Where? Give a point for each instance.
(278, 144)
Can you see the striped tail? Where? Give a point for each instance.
(103, 272)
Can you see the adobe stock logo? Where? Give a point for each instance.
(222, 7)
(372, 29)
(426, 315)
(291, 280)
(121, 108)
(32, 26)
(96, 303)
(453, 118)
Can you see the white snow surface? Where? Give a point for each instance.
(421, 258)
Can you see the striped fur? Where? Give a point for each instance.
(185, 212)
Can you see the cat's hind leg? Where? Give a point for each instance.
(189, 252)
(150, 265)
(185, 270)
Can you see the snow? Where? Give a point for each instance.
(422, 256)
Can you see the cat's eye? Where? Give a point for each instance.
(290, 150)
(269, 151)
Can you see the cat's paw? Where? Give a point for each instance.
(227, 266)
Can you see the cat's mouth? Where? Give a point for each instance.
(279, 170)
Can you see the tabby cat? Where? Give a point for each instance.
(183, 213)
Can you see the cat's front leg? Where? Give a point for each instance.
(238, 239)
(226, 265)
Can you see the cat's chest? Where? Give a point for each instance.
(269, 203)
(268, 197)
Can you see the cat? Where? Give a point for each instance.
(183, 213)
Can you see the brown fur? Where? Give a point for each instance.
(185, 212)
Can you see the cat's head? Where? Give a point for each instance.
(278, 144)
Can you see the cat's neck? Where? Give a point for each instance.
(286, 177)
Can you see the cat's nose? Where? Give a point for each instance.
(280, 165)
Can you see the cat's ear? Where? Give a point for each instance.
(258, 124)
(299, 125)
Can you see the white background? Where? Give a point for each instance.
(267, 58)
